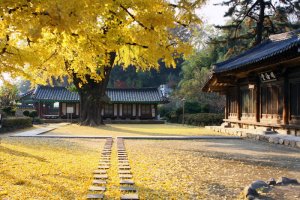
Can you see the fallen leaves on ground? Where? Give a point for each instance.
(199, 170)
(133, 130)
(47, 168)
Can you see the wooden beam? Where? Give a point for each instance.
(226, 79)
(217, 88)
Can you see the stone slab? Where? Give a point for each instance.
(125, 176)
(102, 163)
(107, 159)
(127, 182)
(122, 158)
(103, 167)
(127, 189)
(101, 176)
(124, 172)
(129, 197)
(95, 196)
(100, 171)
(123, 161)
(124, 167)
(99, 182)
(97, 188)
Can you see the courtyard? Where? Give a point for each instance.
(43, 168)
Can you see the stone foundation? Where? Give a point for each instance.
(260, 134)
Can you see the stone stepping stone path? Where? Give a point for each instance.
(127, 189)
(98, 186)
(95, 196)
(99, 182)
(100, 171)
(121, 167)
(130, 197)
(124, 172)
(127, 184)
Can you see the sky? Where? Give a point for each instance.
(212, 14)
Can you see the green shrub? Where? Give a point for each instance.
(199, 119)
(192, 107)
(9, 111)
(38, 121)
(33, 114)
(26, 113)
(12, 123)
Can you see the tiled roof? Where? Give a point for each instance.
(275, 45)
(47, 93)
(134, 95)
(144, 95)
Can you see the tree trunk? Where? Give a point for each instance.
(92, 96)
(91, 105)
(260, 22)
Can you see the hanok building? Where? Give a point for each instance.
(59, 102)
(262, 85)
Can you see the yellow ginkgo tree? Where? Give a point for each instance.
(84, 39)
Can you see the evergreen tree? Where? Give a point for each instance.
(255, 20)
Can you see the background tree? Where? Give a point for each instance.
(85, 39)
(255, 20)
(196, 71)
(8, 95)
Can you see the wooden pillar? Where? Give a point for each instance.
(226, 104)
(133, 110)
(238, 98)
(121, 110)
(285, 113)
(40, 110)
(257, 103)
(60, 109)
(115, 107)
(139, 111)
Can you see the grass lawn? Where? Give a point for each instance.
(133, 130)
(47, 168)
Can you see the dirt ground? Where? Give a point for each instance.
(209, 169)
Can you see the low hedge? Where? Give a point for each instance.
(12, 123)
(199, 119)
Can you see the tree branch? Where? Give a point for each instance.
(134, 18)
(136, 44)
(247, 13)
